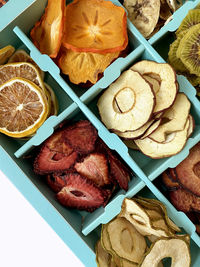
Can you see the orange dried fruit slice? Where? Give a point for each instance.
(47, 33)
(23, 108)
(5, 53)
(96, 26)
(82, 67)
(21, 56)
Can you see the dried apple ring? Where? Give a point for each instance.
(96, 26)
(47, 33)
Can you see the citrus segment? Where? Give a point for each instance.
(23, 108)
(47, 33)
(21, 56)
(95, 26)
(5, 53)
(53, 99)
(82, 67)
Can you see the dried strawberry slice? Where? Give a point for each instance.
(95, 168)
(56, 182)
(118, 171)
(184, 200)
(81, 136)
(80, 193)
(188, 171)
(49, 161)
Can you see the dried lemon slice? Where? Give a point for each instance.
(54, 102)
(23, 107)
(5, 53)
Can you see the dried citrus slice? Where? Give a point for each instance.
(95, 26)
(21, 56)
(23, 107)
(5, 53)
(47, 33)
(23, 70)
(53, 99)
(82, 67)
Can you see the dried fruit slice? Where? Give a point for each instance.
(130, 144)
(23, 108)
(53, 99)
(152, 128)
(174, 144)
(184, 201)
(126, 263)
(95, 168)
(169, 183)
(47, 33)
(20, 55)
(81, 136)
(125, 241)
(174, 4)
(87, 65)
(102, 30)
(143, 14)
(154, 82)
(191, 126)
(80, 193)
(23, 70)
(103, 258)
(168, 86)
(49, 161)
(5, 53)
(175, 248)
(165, 12)
(174, 119)
(188, 50)
(56, 181)
(188, 171)
(130, 87)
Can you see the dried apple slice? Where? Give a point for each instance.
(175, 248)
(191, 126)
(95, 26)
(130, 87)
(152, 128)
(88, 66)
(168, 86)
(174, 119)
(47, 33)
(174, 144)
(155, 83)
(143, 14)
(188, 171)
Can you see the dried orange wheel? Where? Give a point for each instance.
(21, 56)
(47, 33)
(5, 53)
(23, 107)
(96, 26)
(53, 99)
(82, 67)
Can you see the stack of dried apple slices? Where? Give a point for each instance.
(144, 108)
(142, 235)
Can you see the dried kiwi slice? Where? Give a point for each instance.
(188, 50)
(175, 248)
(192, 18)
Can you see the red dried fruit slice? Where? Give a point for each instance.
(184, 200)
(95, 168)
(56, 182)
(81, 136)
(118, 171)
(49, 161)
(47, 33)
(172, 174)
(95, 26)
(80, 193)
(188, 171)
(168, 182)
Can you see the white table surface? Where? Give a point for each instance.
(20, 244)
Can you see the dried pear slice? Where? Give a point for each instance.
(130, 144)
(143, 14)
(174, 119)
(175, 248)
(161, 224)
(125, 240)
(192, 18)
(139, 110)
(168, 86)
(174, 144)
(152, 238)
(126, 263)
(188, 50)
(103, 258)
(153, 214)
(152, 128)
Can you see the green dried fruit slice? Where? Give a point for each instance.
(103, 259)
(125, 241)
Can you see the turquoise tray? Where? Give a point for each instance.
(81, 230)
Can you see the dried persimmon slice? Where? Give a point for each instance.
(47, 33)
(95, 26)
(82, 67)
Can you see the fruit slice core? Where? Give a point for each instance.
(125, 99)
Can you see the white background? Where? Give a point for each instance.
(20, 244)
